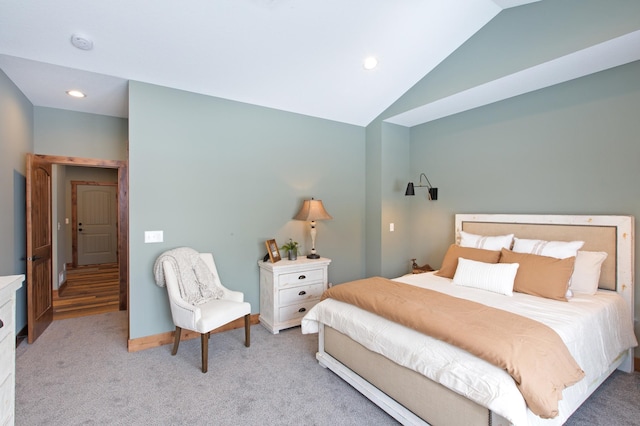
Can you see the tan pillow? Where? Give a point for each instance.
(450, 262)
(542, 276)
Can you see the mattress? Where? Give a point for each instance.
(596, 329)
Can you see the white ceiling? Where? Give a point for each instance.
(293, 55)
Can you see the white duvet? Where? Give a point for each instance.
(596, 330)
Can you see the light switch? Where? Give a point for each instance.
(153, 236)
(392, 227)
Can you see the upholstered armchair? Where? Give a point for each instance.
(208, 316)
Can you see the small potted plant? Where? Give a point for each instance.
(292, 249)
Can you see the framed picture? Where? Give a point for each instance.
(272, 248)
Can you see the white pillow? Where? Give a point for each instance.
(557, 249)
(495, 277)
(586, 271)
(497, 242)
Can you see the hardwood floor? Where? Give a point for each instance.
(89, 290)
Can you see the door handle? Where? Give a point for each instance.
(34, 258)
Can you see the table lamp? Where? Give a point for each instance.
(311, 211)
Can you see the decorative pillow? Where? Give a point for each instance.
(497, 242)
(495, 277)
(586, 272)
(540, 275)
(557, 249)
(450, 262)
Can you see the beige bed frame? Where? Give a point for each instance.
(411, 398)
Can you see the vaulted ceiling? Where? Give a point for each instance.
(300, 56)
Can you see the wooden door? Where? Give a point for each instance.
(95, 222)
(39, 267)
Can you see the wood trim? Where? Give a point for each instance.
(148, 342)
(636, 362)
(123, 234)
(123, 210)
(61, 287)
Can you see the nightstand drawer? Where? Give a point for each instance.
(299, 294)
(6, 315)
(303, 277)
(296, 311)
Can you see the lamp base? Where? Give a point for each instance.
(313, 256)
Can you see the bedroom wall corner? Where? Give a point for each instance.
(373, 199)
(396, 250)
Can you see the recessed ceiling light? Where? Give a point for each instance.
(76, 94)
(370, 63)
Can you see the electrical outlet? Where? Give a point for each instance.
(153, 236)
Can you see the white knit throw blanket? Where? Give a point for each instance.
(195, 280)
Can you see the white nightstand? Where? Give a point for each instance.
(288, 289)
(8, 287)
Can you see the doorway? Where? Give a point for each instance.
(36, 291)
(94, 218)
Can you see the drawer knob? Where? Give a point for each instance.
(302, 277)
(302, 309)
(302, 293)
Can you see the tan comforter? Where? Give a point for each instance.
(532, 353)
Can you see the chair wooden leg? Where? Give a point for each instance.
(247, 330)
(204, 339)
(176, 340)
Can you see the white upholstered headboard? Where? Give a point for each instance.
(611, 234)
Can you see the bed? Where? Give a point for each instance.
(421, 380)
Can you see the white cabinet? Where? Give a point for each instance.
(8, 287)
(288, 289)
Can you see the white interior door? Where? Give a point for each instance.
(97, 224)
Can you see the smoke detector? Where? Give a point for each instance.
(81, 42)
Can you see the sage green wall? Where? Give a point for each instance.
(16, 140)
(79, 134)
(373, 200)
(396, 254)
(387, 151)
(223, 177)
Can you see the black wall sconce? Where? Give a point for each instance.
(433, 192)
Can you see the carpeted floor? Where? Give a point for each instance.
(80, 373)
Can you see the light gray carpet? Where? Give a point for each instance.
(80, 373)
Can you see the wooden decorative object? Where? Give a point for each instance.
(272, 248)
(420, 269)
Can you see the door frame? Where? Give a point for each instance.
(123, 211)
